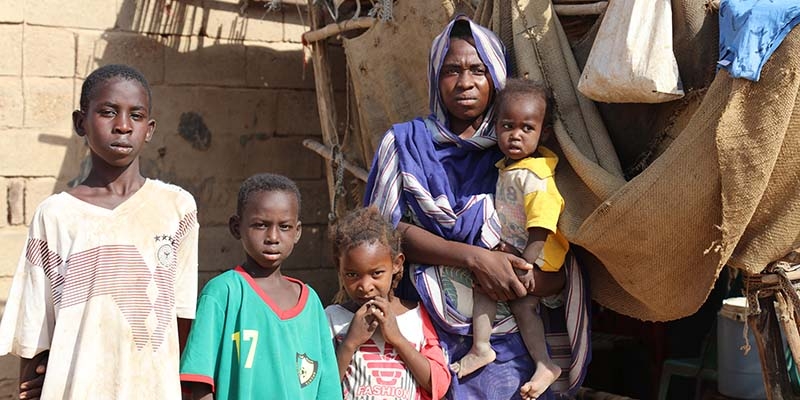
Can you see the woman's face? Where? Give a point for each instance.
(465, 85)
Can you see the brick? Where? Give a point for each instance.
(278, 65)
(213, 176)
(11, 62)
(76, 94)
(315, 205)
(95, 14)
(323, 280)
(161, 17)
(36, 190)
(12, 243)
(273, 155)
(143, 52)
(3, 202)
(12, 105)
(48, 103)
(11, 11)
(201, 61)
(312, 251)
(298, 114)
(225, 22)
(237, 111)
(203, 278)
(28, 152)
(219, 251)
(215, 196)
(181, 162)
(294, 25)
(9, 372)
(49, 52)
(16, 201)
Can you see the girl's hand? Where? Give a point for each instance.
(362, 326)
(383, 313)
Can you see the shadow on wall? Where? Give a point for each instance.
(232, 97)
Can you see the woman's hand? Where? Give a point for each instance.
(495, 276)
(382, 311)
(494, 270)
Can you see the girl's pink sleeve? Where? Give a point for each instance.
(440, 370)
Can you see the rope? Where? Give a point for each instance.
(382, 10)
(754, 286)
(338, 187)
(273, 5)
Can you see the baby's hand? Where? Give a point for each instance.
(527, 279)
(382, 310)
(507, 248)
(362, 326)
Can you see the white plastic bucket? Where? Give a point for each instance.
(738, 375)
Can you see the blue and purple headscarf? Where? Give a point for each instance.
(492, 53)
(444, 181)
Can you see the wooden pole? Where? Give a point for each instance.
(786, 316)
(325, 99)
(580, 9)
(770, 349)
(327, 154)
(337, 28)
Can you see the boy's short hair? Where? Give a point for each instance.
(517, 87)
(265, 183)
(107, 72)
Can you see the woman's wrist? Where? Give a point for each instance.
(471, 256)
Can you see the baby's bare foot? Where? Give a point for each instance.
(544, 376)
(473, 361)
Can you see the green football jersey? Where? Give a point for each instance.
(245, 347)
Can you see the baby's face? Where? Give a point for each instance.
(519, 125)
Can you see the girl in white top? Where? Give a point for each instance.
(385, 347)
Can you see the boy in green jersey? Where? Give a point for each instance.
(259, 334)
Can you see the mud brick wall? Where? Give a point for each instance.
(232, 96)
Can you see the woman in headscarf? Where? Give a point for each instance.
(435, 179)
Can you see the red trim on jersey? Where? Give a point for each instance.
(282, 314)
(198, 379)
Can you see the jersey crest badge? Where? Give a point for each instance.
(165, 252)
(306, 369)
